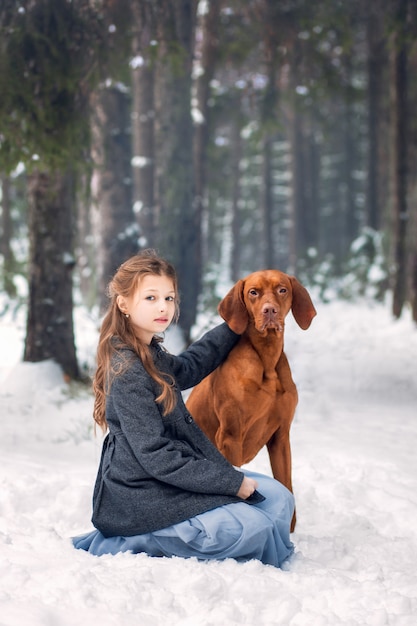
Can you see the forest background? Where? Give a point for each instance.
(228, 135)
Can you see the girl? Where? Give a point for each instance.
(162, 487)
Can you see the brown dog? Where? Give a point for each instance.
(249, 401)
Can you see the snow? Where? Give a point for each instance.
(355, 479)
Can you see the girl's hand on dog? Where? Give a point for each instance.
(247, 488)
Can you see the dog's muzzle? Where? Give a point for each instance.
(270, 318)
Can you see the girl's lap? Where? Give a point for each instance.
(230, 531)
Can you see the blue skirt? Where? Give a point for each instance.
(239, 531)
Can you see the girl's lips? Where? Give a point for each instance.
(161, 320)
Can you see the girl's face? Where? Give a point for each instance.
(151, 307)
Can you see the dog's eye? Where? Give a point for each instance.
(282, 291)
(253, 292)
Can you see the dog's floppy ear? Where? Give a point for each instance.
(302, 306)
(233, 310)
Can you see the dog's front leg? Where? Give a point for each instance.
(279, 450)
(229, 441)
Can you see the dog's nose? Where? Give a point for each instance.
(269, 310)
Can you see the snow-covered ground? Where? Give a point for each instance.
(354, 442)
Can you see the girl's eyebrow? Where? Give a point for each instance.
(157, 290)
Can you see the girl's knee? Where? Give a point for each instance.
(279, 501)
(270, 487)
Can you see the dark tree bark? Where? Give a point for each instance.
(377, 62)
(414, 285)
(271, 17)
(111, 185)
(143, 120)
(49, 58)
(236, 155)
(350, 226)
(303, 230)
(208, 56)
(296, 237)
(50, 333)
(6, 236)
(400, 156)
(312, 194)
(267, 201)
(177, 220)
(268, 116)
(305, 203)
(413, 174)
(85, 249)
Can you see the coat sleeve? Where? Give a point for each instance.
(203, 356)
(172, 460)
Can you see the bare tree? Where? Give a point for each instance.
(48, 60)
(177, 221)
(50, 333)
(143, 118)
(377, 101)
(400, 166)
(207, 53)
(6, 236)
(114, 220)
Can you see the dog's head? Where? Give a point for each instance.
(264, 299)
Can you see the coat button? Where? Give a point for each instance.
(188, 419)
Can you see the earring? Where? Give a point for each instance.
(127, 315)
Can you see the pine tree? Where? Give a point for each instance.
(48, 59)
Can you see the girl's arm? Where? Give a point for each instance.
(168, 459)
(203, 356)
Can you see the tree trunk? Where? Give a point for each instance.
(413, 187)
(177, 225)
(115, 223)
(299, 205)
(270, 15)
(376, 80)
(143, 119)
(236, 155)
(400, 157)
(304, 229)
(298, 236)
(85, 250)
(350, 228)
(6, 236)
(267, 202)
(312, 184)
(49, 333)
(414, 285)
(208, 58)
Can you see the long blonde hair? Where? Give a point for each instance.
(116, 333)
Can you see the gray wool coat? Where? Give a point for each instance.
(156, 471)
